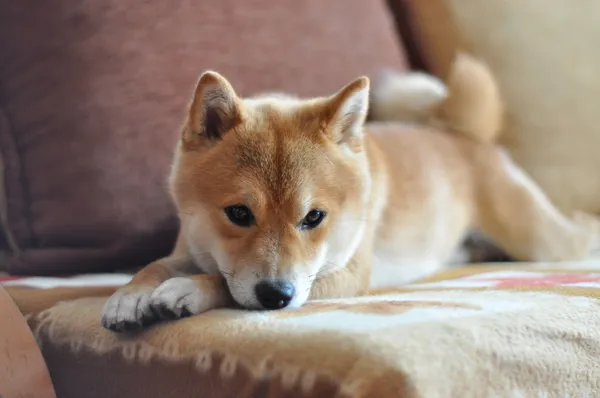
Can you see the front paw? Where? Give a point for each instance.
(128, 309)
(179, 297)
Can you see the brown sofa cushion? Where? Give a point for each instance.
(92, 94)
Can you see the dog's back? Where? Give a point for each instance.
(447, 176)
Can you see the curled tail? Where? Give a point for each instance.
(469, 101)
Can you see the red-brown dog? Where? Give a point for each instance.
(284, 199)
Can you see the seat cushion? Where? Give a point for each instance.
(522, 330)
(92, 95)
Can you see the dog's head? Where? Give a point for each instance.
(274, 189)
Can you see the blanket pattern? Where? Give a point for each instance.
(508, 331)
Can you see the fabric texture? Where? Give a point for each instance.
(547, 74)
(92, 95)
(507, 331)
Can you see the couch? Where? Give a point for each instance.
(91, 95)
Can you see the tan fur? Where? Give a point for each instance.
(407, 97)
(399, 199)
(474, 106)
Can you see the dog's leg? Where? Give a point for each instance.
(128, 309)
(516, 213)
(183, 296)
(352, 280)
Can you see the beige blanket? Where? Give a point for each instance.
(523, 331)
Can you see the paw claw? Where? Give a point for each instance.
(125, 327)
(164, 312)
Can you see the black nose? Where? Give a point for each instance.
(274, 295)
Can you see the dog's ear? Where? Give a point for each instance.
(346, 111)
(215, 109)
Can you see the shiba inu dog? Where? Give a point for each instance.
(282, 199)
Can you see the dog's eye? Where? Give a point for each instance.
(240, 215)
(312, 219)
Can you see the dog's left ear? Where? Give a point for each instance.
(214, 110)
(347, 110)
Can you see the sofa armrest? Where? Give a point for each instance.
(23, 372)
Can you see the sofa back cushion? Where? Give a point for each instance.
(547, 72)
(92, 95)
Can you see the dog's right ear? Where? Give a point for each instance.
(215, 109)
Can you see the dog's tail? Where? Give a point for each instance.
(469, 102)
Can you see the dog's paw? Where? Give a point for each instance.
(128, 309)
(179, 297)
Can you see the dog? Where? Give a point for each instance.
(283, 199)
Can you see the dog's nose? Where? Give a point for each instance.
(274, 295)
